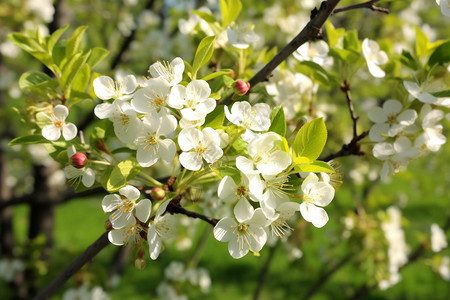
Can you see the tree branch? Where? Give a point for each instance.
(351, 148)
(76, 265)
(311, 31)
(345, 87)
(369, 4)
(175, 208)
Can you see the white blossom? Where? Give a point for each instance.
(197, 145)
(151, 145)
(313, 51)
(53, 131)
(374, 57)
(161, 228)
(129, 234)
(438, 238)
(193, 100)
(105, 88)
(172, 73)
(445, 7)
(266, 156)
(390, 120)
(244, 235)
(432, 136)
(151, 97)
(256, 118)
(241, 36)
(316, 194)
(124, 205)
(444, 268)
(230, 192)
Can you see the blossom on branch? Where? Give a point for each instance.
(53, 131)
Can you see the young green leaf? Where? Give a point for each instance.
(215, 118)
(278, 121)
(73, 43)
(28, 139)
(122, 173)
(32, 78)
(441, 55)
(97, 55)
(203, 54)
(310, 139)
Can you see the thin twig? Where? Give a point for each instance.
(175, 208)
(76, 265)
(345, 87)
(311, 31)
(264, 272)
(351, 148)
(369, 4)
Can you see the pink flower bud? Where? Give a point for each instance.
(157, 193)
(78, 160)
(241, 87)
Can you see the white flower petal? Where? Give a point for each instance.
(69, 131)
(104, 87)
(51, 133)
(110, 202)
(316, 215)
(223, 231)
(227, 189)
(191, 160)
(154, 242)
(88, 178)
(130, 192)
(143, 209)
(243, 211)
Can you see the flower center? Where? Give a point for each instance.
(241, 191)
(158, 101)
(58, 124)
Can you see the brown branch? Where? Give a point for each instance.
(76, 265)
(311, 31)
(351, 148)
(175, 208)
(345, 87)
(369, 4)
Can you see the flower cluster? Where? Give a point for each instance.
(398, 249)
(403, 134)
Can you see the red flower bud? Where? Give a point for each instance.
(78, 160)
(241, 87)
(157, 193)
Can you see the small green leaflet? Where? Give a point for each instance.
(310, 140)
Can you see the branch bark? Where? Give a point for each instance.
(311, 31)
(76, 265)
(369, 4)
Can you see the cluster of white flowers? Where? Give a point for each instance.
(402, 134)
(175, 274)
(145, 116)
(398, 249)
(263, 180)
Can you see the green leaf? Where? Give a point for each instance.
(310, 139)
(333, 34)
(223, 171)
(316, 167)
(205, 16)
(28, 139)
(97, 55)
(122, 173)
(203, 54)
(348, 56)
(73, 43)
(71, 70)
(216, 74)
(215, 118)
(408, 60)
(422, 42)
(441, 55)
(442, 94)
(32, 78)
(81, 80)
(55, 37)
(278, 121)
(351, 41)
(229, 9)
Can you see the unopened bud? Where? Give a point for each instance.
(140, 253)
(157, 193)
(78, 160)
(100, 144)
(139, 263)
(108, 225)
(241, 87)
